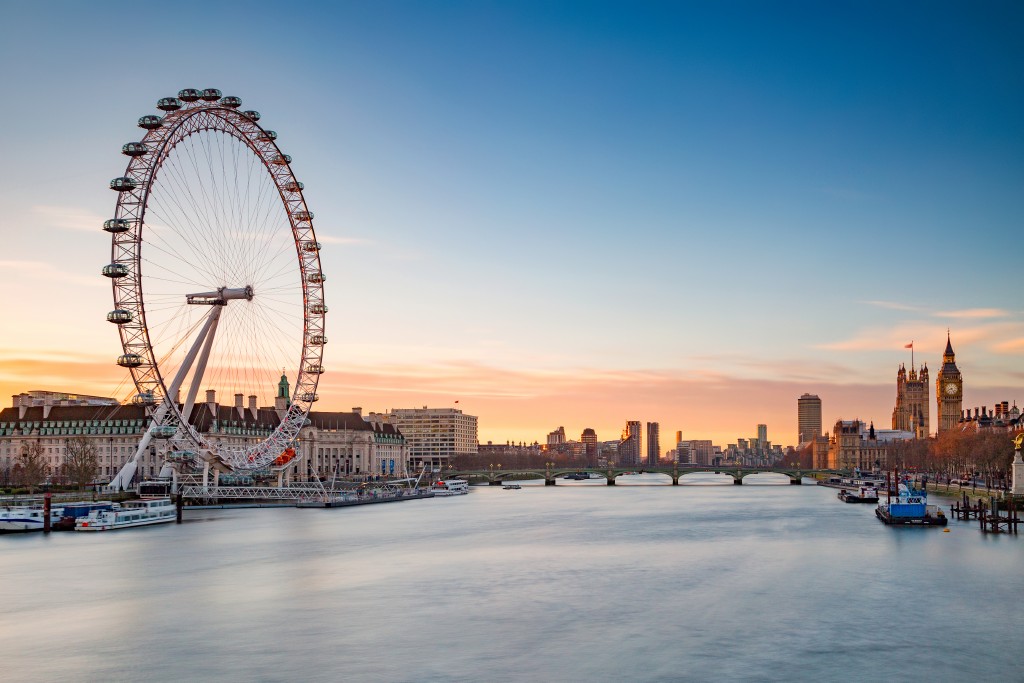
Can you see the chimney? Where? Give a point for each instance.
(238, 400)
(252, 405)
(358, 411)
(211, 396)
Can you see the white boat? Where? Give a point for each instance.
(450, 487)
(131, 513)
(19, 518)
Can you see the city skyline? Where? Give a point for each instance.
(576, 215)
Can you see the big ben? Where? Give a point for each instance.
(949, 390)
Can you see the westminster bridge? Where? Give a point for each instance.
(495, 476)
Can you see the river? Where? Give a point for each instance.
(579, 582)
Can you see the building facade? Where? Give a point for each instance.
(949, 391)
(630, 446)
(434, 435)
(330, 444)
(808, 418)
(912, 410)
(855, 446)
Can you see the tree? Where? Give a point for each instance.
(80, 461)
(32, 465)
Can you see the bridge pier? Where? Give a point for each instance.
(737, 481)
(549, 482)
(675, 480)
(795, 482)
(611, 481)
(494, 482)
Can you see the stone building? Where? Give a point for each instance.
(853, 445)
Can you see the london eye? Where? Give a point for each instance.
(216, 279)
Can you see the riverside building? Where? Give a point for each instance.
(331, 443)
(434, 435)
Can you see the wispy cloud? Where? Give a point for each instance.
(892, 305)
(68, 217)
(973, 314)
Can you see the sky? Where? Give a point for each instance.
(563, 213)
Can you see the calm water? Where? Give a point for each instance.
(572, 583)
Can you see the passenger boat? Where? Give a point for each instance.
(864, 494)
(130, 514)
(511, 487)
(19, 518)
(910, 508)
(450, 487)
(75, 511)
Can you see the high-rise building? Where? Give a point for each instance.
(808, 418)
(589, 440)
(762, 436)
(949, 390)
(434, 435)
(630, 446)
(653, 443)
(912, 407)
(556, 437)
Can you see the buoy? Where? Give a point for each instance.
(945, 531)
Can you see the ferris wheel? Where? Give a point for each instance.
(215, 270)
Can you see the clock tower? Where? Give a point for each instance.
(949, 390)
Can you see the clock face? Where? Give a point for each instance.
(950, 389)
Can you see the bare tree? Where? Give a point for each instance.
(80, 461)
(33, 465)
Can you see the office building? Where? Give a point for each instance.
(808, 418)
(653, 443)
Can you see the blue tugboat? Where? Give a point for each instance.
(910, 507)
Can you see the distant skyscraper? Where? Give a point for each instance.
(808, 418)
(653, 443)
(556, 437)
(762, 436)
(630, 447)
(589, 440)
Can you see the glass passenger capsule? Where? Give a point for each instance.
(231, 101)
(310, 397)
(123, 184)
(150, 122)
(281, 160)
(163, 431)
(145, 398)
(116, 225)
(315, 369)
(134, 149)
(180, 456)
(268, 136)
(189, 94)
(316, 278)
(251, 114)
(168, 104)
(119, 316)
(294, 186)
(311, 246)
(303, 216)
(318, 339)
(129, 360)
(211, 94)
(317, 309)
(115, 270)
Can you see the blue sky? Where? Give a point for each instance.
(567, 213)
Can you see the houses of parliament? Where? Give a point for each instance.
(912, 412)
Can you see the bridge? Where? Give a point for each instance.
(551, 474)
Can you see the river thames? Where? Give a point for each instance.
(572, 583)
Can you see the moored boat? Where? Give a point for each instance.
(910, 508)
(21, 518)
(512, 487)
(75, 511)
(450, 487)
(863, 494)
(130, 514)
